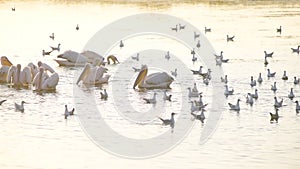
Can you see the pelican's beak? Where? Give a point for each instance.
(5, 61)
(140, 77)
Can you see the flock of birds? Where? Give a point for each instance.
(94, 72)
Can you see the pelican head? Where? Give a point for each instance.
(39, 63)
(5, 61)
(141, 77)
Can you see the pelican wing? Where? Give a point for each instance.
(73, 57)
(84, 73)
(51, 82)
(100, 71)
(158, 78)
(91, 56)
(25, 75)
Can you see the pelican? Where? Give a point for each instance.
(160, 80)
(72, 58)
(296, 81)
(196, 35)
(291, 95)
(93, 75)
(52, 36)
(18, 77)
(45, 66)
(230, 38)
(2, 101)
(259, 79)
(274, 116)
(167, 97)
(174, 73)
(152, 100)
(268, 54)
(42, 81)
(297, 107)
(235, 107)
(104, 95)
(273, 87)
(167, 56)
(252, 82)
(255, 95)
(5, 66)
(207, 29)
(56, 48)
(271, 74)
(68, 113)
(20, 107)
(249, 99)
(192, 93)
(277, 104)
(198, 44)
(113, 59)
(224, 80)
(228, 92)
(200, 117)
(284, 77)
(170, 122)
(137, 57)
(279, 29)
(297, 50)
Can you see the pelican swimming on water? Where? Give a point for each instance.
(160, 80)
(93, 75)
(72, 58)
(20, 107)
(19, 77)
(42, 81)
(5, 65)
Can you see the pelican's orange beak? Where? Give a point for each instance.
(140, 77)
(5, 61)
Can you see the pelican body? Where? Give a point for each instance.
(93, 75)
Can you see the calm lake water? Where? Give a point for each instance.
(42, 138)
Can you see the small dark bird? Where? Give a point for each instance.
(46, 53)
(230, 38)
(196, 35)
(279, 30)
(68, 113)
(297, 50)
(170, 122)
(175, 28)
(55, 48)
(2, 101)
(121, 44)
(207, 30)
(268, 54)
(77, 27)
(200, 117)
(167, 97)
(274, 116)
(104, 95)
(181, 26)
(13, 8)
(52, 36)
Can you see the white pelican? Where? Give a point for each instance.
(230, 38)
(103, 95)
(274, 116)
(235, 107)
(160, 80)
(2, 101)
(18, 77)
(268, 54)
(68, 113)
(167, 97)
(152, 100)
(200, 117)
(113, 59)
(284, 77)
(291, 95)
(170, 122)
(20, 107)
(93, 75)
(42, 81)
(5, 65)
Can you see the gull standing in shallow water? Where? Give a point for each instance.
(68, 113)
(170, 122)
(20, 107)
(235, 107)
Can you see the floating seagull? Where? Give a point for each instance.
(181, 26)
(193, 51)
(68, 113)
(152, 100)
(249, 99)
(193, 94)
(56, 48)
(196, 35)
(228, 92)
(2, 101)
(223, 60)
(170, 122)
(137, 57)
(13, 8)
(52, 36)
(194, 107)
(167, 56)
(271, 74)
(46, 53)
(175, 28)
(219, 56)
(199, 102)
(259, 79)
(224, 80)
(291, 95)
(20, 107)
(198, 72)
(198, 44)
(274, 116)
(297, 107)
(174, 73)
(277, 104)
(284, 77)
(77, 27)
(235, 107)
(279, 29)
(207, 29)
(159, 80)
(121, 44)
(103, 95)
(206, 81)
(252, 82)
(219, 62)
(297, 50)
(207, 75)
(268, 54)
(167, 97)
(273, 87)
(296, 81)
(195, 89)
(266, 61)
(230, 38)
(200, 117)
(255, 95)
(194, 58)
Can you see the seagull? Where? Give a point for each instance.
(197, 72)
(223, 60)
(291, 95)
(271, 74)
(167, 56)
(206, 75)
(175, 28)
(224, 80)
(206, 81)
(200, 117)
(268, 54)
(207, 29)
(296, 81)
(297, 50)
(273, 87)
(103, 95)
(170, 122)
(68, 113)
(200, 102)
(13, 8)
(259, 79)
(55, 48)
(230, 38)
(194, 107)
(276, 103)
(194, 59)
(137, 57)
(249, 99)
(77, 27)
(266, 61)
(219, 56)
(195, 89)
(198, 44)
(255, 95)
(167, 97)
(218, 62)
(228, 92)
(274, 116)
(200, 107)
(152, 100)
(193, 51)
(20, 107)
(252, 82)
(121, 44)
(174, 73)
(181, 26)
(193, 94)
(297, 107)
(284, 77)
(46, 53)
(196, 35)
(2, 101)
(52, 36)
(279, 29)
(235, 107)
